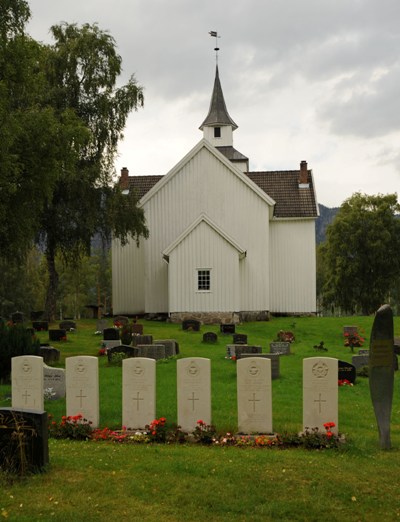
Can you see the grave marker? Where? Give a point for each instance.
(27, 382)
(138, 392)
(82, 384)
(320, 393)
(193, 392)
(210, 337)
(346, 371)
(281, 348)
(254, 395)
(381, 372)
(273, 357)
(111, 334)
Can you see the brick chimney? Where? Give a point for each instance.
(303, 178)
(123, 180)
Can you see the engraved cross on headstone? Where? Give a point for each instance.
(25, 396)
(254, 400)
(319, 402)
(137, 399)
(193, 399)
(81, 397)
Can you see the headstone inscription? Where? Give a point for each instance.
(32, 428)
(381, 372)
(280, 348)
(210, 337)
(193, 392)
(254, 395)
(138, 392)
(320, 393)
(54, 379)
(346, 371)
(82, 383)
(111, 334)
(273, 357)
(152, 351)
(27, 382)
(240, 349)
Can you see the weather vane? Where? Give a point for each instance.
(214, 34)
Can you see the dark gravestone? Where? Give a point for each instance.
(57, 335)
(137, 329)
(381, 371)
(350, 330)
(228, 328)
(101, 325)
(111, 334)
(274, 358)
(191, 324)
(40, 326)
(396, 345)
(280, 348)
(67, 325)
(363, 351)
(50, 354)
(169, 345)
(346, 371)
(239, 338)
(152, 351)
(142, 339)
(245, 348)
(37, 315)
(210, 337)
(128, 351)
(360, 360)
(17, 317)
(24, 443)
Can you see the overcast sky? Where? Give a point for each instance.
(315, 80)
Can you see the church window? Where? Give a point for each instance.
(204, 280)
(217, 132)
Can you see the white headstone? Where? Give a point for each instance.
(138, 392)
(54, 380)
(194, 392)
(27, 382)
(254, 397)
(82, 374)
(320, 392)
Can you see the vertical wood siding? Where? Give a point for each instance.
(127, 278)
(293, 266)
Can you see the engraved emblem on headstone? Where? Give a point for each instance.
(254, 369)
(138, 369)
(193, 369)
(320, 370)
(80, 368)
(26, 367)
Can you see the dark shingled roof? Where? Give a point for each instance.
(218, 113)
(142, 184)
(283, 187)
(232, 154)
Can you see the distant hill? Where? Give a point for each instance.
(326, 216)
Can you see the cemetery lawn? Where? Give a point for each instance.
(99, 480)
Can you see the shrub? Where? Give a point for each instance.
(15, 340)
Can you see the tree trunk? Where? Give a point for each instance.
(51, 296)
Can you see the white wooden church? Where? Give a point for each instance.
(225, 244)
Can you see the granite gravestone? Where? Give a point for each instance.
(101, 325)
(346, 371)
(254, 395)
(170, 346)
(359, 361)
(32, 429)
(191, 324)
(27, 382)
(142, 339)
(69, 326)
(152, 351)
(126, 350)
(137, 328)
(210, 337)
(49, 354)
(281, 348)
(381, 372)
(239, 338)
(138, 392)
(82, 383)
(320, 393)
(227, 328)
(54, 379)
(111, 334)
(193, 392)
(57, 335)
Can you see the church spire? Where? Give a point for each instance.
(218, 115)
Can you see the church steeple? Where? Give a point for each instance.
(218, 125)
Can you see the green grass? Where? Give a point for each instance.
(99, 481)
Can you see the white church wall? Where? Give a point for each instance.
(293, 266)
(127, 277)
(206, 184)
(226, 138)
(204, 249)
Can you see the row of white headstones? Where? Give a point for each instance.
(254, 391)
